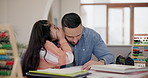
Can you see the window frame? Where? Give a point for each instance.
(120, 5)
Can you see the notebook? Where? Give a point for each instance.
(72, 72)
(118, 68)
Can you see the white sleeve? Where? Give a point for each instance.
(69, 57)
(50, 57)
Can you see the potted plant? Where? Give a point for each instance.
(21, 48)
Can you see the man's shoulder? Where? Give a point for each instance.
(90, 34)
(90, 31)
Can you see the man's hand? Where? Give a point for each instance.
(86, 66)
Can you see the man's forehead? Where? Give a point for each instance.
(73, 31)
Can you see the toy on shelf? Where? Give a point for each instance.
(10, 66)
(140, 49)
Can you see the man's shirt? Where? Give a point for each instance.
(91, 43)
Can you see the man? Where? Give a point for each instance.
(85, 42)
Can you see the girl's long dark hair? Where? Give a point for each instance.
(40, 33)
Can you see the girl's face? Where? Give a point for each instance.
(53, 32)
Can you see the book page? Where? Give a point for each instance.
(69, 70)
(116, 66)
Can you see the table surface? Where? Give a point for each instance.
(101, 74)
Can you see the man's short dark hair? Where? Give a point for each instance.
(71, 20)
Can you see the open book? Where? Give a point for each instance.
(72, 72)
(118, 68)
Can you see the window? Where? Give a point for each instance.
(95, 18)
(119, 26)
(141, 20)
(116, 22)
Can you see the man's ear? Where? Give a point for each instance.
(63, 28)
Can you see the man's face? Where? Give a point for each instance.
(73, 35)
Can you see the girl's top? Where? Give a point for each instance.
(56, 56)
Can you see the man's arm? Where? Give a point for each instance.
(100, 50)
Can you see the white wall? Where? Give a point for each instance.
(56, 12)
(61, 7)
(70, 6)
(3, 11)
(118, 50)
(22, 14)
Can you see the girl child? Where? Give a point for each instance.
(47, 48)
